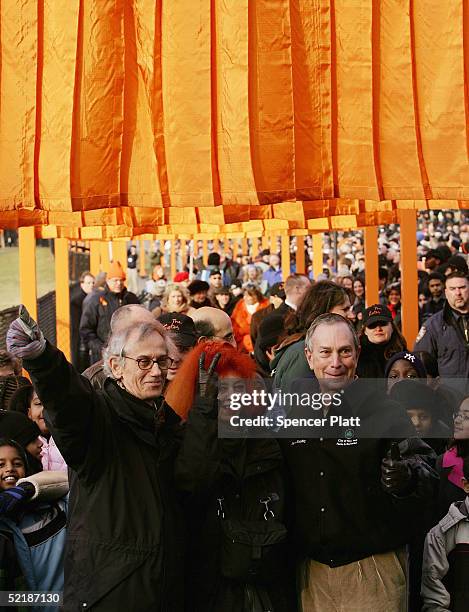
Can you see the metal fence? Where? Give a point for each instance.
(78, 263)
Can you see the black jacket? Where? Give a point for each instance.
(441, 337)
(77, 295)
(342, 512)
(124, 549)
(372, 362)
(241, 473)
(95, 324)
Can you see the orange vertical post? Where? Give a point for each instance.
(62, 296)
(285, 255)
(95, 257)
(216, 245)
(235, 247)
(245, 246)
(142, 259)
(104, 249)
(205, 251)
(172, 259)
(371, 265)
(119, 252)
(183, 254)
(318, 247)
(27, 269)
(265, 242)
(409, 276)
(300, 254)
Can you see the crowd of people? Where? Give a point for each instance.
(117, 488)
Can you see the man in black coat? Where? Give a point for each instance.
(95, 324)
(124, 532)
(445, 335)
(355, 502)
(77, 295)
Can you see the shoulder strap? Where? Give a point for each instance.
(34, 538)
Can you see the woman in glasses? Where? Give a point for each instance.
(449, 465)
(380, 339)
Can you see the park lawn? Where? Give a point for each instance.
(9, 275)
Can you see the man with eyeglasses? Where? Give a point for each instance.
(124, 538)
(95, 323)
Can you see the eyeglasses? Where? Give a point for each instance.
(461, 415)
(145, 363)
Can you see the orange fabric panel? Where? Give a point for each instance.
(133, 109)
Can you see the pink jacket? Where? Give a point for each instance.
(51, 457)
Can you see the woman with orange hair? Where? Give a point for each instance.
(234, 490)
(252, 301)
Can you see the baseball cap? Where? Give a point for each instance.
(378, 313)
(182, 327)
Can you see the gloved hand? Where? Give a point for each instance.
(12, 499)
(396, 475)
(24, 338)
(208, 380)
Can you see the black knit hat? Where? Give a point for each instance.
(413, 394)
(416, 363)
(18, 427)
(197, 286)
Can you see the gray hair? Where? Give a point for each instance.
(118, 340)
(330, 318)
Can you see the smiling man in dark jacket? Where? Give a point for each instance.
(124, 549)
(355, 505)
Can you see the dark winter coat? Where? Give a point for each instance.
(241, 473)
(441, 337)
(342, 513)
(372, 362)
(77, 295)
(124, 549)
(290, 366)
(95, 324)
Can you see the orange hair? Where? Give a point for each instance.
(181, 390)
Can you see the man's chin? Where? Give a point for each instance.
(334, 383)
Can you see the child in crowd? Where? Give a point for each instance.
(30, 525)
(419, 401)
(26, 401)
(445, 575)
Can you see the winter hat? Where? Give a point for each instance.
(182, 327)
(277, 290)
(412, 394)
(115, 270)
(417, 363)
(197, 286)
(18, 427)
(377, 314)
(181, 277)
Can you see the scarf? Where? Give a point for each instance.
(451, 460)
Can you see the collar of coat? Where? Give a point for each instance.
(144, 419)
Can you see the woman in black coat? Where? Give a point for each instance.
(235, 498)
